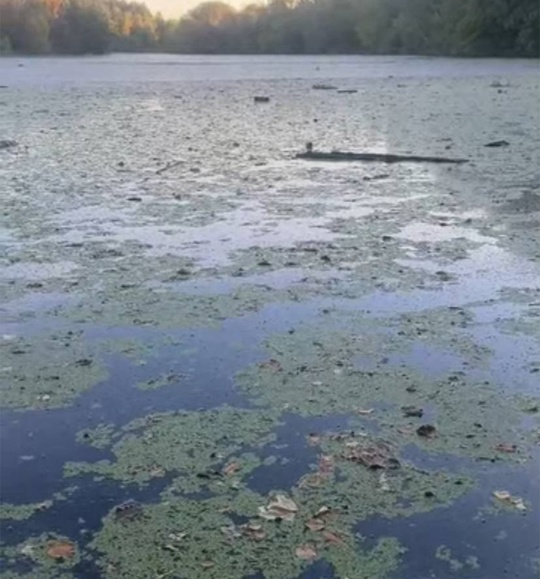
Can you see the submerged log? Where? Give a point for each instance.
(378, 157)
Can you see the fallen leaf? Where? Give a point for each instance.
(314, 439)
(412, 411)
(332, 538)
(315, 479)
(323, 511)
(365, 412)
(60, 549)
(372, 456)
(28, 550)
(128, 511)
(427, 431)
(253, 532)
(44, 506)
(315, 524)
(506, 497)
(207, 564)
(157, 472)
(406, 430)
(326, 464)
(271, 364)
(306, 552)
(281, 507)
(506, 447)
(231, 532)
(231, 468)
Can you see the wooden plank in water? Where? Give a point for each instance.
(376, 157)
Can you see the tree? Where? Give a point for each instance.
(80, 29)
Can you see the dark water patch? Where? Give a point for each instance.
(504, 541)
(292, 452)
(429, 360)
(50, 435)
(528, 202)
(78, 517)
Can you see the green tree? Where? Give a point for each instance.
(81, 28)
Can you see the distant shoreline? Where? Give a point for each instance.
(15, 55)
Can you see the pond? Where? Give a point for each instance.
(218, 360)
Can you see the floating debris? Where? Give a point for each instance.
(306, 552)
(253, 532)
(6, 144)
(231, 468)
(373, 456)
(377, 157)
(316, 524)
(128, 511)
(60, 550)
(506, 447)
(412, 411)
(507, 498)
(280, 508)
(332, 538)
(501, 143)
(427, 431)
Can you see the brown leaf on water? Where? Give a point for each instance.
(314, 439)
(312, 480)
(157, 472)
(323, 511)
(332, 538)
(253, 532)
(506, 497)
(306, 552)
(271, 364)
(207, 564)
(506, 447)
(281, 507)
(60, 549)
(405, 430)
(231, 468)
(315, 525)
(427, 431)
(372, 456)
(326, 464)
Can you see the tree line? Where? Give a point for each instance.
(430, 27)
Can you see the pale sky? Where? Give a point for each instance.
(175, 8)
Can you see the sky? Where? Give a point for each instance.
(175, 8)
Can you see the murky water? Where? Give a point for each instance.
(195, 320)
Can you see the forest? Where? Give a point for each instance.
(423, 27)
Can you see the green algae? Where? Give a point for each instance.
(192, 443)
(168, 309)
(99, 437)
(181, 536)
(112, 275)
(359, 492)
(47, 371)
(218, 481)
(38, 574)
(22, 512)
(314, 372)
(444, 553)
